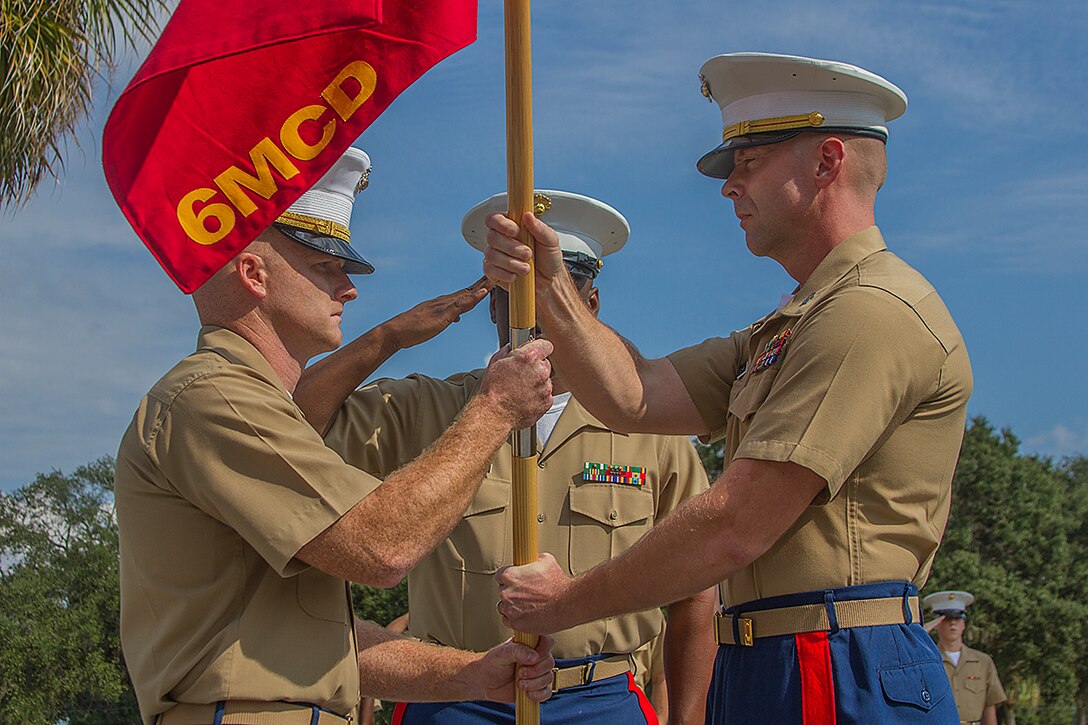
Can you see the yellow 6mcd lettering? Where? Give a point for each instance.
(206, 220)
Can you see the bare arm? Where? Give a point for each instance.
(395, 667)
(989, 715)
(689, 656)
(659, 698)
(609, 377)
(366, 704)
(325, 385)
(702, 542)
(416, 507)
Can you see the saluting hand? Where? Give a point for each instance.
(506, 258)
(532, 596)
(429, 318)
(497, 671)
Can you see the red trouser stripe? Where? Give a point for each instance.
(817, 683)
(643, 702)
(398, 713)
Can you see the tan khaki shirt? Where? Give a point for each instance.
(650, 659)
(220, 481)
(862, 378)
(452, 592)
(975, 683)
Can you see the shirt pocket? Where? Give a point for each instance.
(605, 520)
(483, 537)
(322, 596)
(975, 686)
(749, 393)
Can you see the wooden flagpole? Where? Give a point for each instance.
(519, 182)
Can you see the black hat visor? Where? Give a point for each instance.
(951, 613)
(353, 263)
(718, 164)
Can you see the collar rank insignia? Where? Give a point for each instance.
(606, 473)
(773, 350)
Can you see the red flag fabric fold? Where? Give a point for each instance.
(243, 105)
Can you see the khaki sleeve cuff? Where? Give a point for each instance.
(707, 372)
(814, 460)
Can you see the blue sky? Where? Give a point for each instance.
(987, 196)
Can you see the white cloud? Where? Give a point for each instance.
(1061, 440)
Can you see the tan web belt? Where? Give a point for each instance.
(811, 618)
(250, 712)
(564, 677)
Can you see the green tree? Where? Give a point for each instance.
(381, 606)
(1010, 542)
(1076, 585)
(713, 457)
(51, 53)
(59, 602)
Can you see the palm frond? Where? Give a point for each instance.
(51, 53)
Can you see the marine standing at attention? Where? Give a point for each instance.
(973, 675)
(599, 492)
(239, 528)
(842, 412)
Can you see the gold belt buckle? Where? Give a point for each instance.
(584, 677)
(747, 632)
(747, 629)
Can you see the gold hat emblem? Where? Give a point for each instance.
(541, 204)
(364, 181)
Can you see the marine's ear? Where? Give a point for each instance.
(593, 301)
(830, 152)
(252, 272)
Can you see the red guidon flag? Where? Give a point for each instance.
(242, 105)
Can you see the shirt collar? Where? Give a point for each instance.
(573, 419)
(238, 350)
(845, 256)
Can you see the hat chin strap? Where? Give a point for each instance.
(315, 224)
(582, 264)
(779, 123)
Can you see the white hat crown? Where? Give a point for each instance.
(332, 198)
(764, 93)
(320, 218)
(582, 223)
(955, 602)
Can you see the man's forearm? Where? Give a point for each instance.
(702, 542)
(609, 376)
(395, 667)
(689, 656)
(419, 504)
(325, 385)
(389, 530)
(693, 528)
(594, 361)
